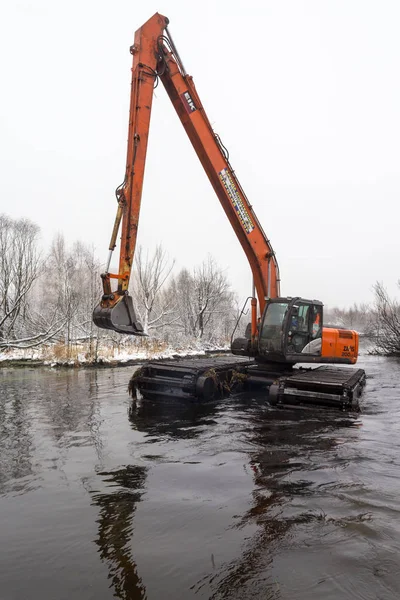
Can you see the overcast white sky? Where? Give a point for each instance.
(305, 95)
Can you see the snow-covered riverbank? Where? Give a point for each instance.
(125, 354)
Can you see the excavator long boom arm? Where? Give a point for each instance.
(155, 56)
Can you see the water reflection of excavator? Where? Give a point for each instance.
(288, 330)
(287, 454)
(115, 528)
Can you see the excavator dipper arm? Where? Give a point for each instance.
(115, 310)
(155, 56)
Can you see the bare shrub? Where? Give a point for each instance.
(155, 309)
(387, 322)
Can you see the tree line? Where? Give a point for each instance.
(48, 299)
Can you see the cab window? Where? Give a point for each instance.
(305, 332)
(271, 331)
(300, 317)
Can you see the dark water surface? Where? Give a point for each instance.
(233, 500)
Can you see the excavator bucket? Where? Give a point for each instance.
(121, 317)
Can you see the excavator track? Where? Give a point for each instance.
(210, 379)
(323, 386)
(193, 379)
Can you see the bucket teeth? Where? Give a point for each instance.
(121, 317)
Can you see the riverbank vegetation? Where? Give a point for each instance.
(47, 300)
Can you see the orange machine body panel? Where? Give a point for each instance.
(341, 345)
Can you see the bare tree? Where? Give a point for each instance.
(212, 295)
(387, 327)
(87, 289)
(53, 300)
(60, 271)
(19, 269)
(93, 293)
(180, 289)
(155, 308)
(73, 287)
(204, 300)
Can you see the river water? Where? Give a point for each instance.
(231, 500)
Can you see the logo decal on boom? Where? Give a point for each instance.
(188, 101)
(236, 200)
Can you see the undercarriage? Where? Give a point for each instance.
(212, 378)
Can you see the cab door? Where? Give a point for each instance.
(271, 337)
(290, 331)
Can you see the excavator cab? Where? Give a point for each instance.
(291, 330)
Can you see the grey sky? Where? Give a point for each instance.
(305, 95)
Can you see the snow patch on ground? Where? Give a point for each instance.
(21, 354)
(54, 356)
(169, 352)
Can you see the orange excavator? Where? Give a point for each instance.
(283, 331)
